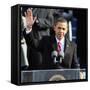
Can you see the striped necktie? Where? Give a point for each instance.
(58, 47)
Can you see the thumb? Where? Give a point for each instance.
(34, 19)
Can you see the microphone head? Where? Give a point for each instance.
(54, 54)
(61, 54)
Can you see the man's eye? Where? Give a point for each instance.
(59, 27)
(63, 28)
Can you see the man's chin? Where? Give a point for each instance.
(60, 38)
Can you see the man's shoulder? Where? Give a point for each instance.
(46, 38)
(73, 44)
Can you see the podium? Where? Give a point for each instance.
(51, 75)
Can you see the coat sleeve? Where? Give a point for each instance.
(32, 41)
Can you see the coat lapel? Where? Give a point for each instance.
(67, 45)
(54, 43)
(66, 50)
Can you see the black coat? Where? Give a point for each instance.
(45, 47)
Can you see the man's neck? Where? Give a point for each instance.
(60, 40)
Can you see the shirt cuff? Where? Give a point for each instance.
(28, 30)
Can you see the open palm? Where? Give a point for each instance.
(29, 18)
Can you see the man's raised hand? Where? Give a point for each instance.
(29, 18)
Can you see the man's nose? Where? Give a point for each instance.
(60, 30)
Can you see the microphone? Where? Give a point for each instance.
(61, 56)
(54, 55)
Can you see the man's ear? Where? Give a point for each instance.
(66, 31)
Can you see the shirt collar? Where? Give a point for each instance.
(61, 41)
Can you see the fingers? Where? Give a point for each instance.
(29, 17)
(28, 13)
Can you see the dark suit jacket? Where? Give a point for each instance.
(46, 46)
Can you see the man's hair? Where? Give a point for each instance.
(61, 19)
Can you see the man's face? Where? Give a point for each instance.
(60, 29)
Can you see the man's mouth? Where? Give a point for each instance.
(60, 34)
